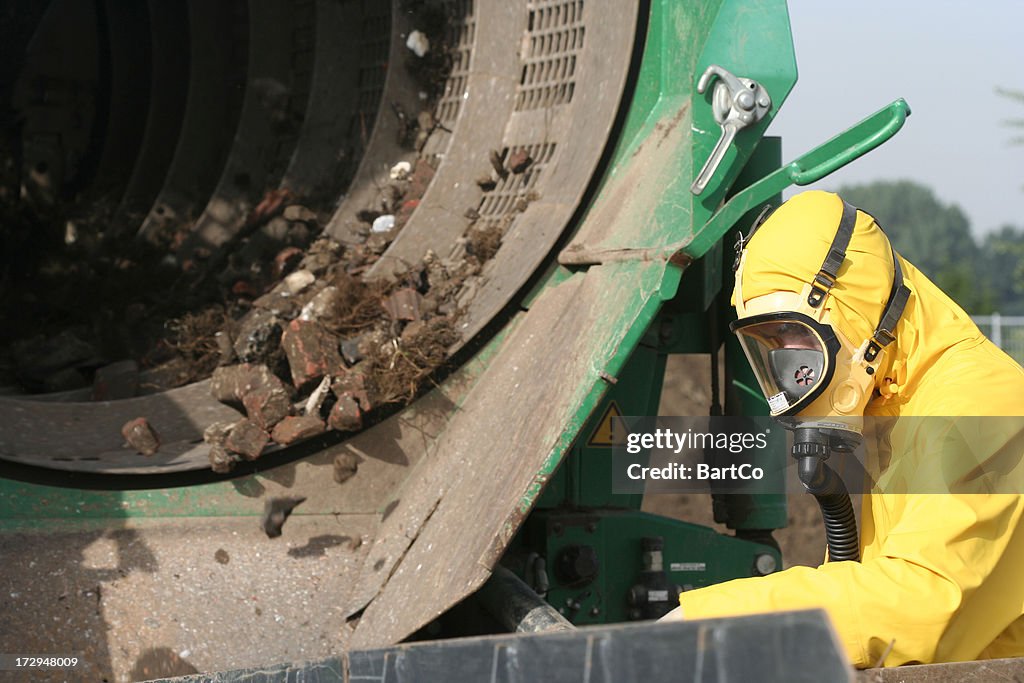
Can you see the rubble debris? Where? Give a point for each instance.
(221, 461)
(298, 281)
(267, 406)
(141, 436)
(321, 305)
(519, 161)
(221, 556)
(403, 304)
(296, 428)
(275, 512)
(247, 439)
(497, 163)
(400, 171)
(398, 369)
(350, 351)
(345, 415)
(230, 384)
(418, 43)
(345, 467)
(286, 260)
(312, 352)
(217, 432)
(383, 223)
(483, 243)
(297, 212)
(258, 336)
(487, 182)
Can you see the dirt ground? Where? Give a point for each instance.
(687, 391)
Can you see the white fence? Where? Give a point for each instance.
(1005, 331)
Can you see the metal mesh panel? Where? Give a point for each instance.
(555, 34)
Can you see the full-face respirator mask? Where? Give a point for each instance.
(817, 381)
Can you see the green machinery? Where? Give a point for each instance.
(505, 461)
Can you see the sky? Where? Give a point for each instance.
(946, 59)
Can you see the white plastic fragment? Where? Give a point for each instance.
(383, 223)
(418, 43)
(401, 170)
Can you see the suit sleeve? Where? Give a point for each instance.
(922, 589)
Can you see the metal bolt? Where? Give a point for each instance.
(594, 611)
(765, 564)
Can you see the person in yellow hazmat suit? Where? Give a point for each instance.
(836, 325)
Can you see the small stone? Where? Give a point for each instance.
(221, 556)
(297, 212)
(247, 439)
(276, 229)
(296, 428)
(267, 406)
(141, 436)
(299, 280)
(519, 161)
(229, 384)
(418, 43)
(258, 336)
(383, 223)
(350, 351)
(322, 305)
(116, 381)
(472, 214)
(487, 182)
(400, 171)
(312, 352)
(353, 383)
(345, 467)
(217, 432)
(275, 512)
(221, 461)
(345, 415)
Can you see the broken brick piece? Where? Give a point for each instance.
(267, 406)
(345, 415)
(217, 432)
(295, 428)
(141, 436)
(312, 352)
(519, 161)
(247, 439)
(345, 467)
(404, 304)
(229, 384)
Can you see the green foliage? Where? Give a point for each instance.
(1004, 268)
(934, 236)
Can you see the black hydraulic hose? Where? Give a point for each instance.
(828, 489)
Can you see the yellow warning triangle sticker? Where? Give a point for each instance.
(604, 434)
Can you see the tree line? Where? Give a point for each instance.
(983, 276)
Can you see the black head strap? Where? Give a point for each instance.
(829, 271)
(885, 333)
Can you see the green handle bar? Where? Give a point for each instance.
(811, 167)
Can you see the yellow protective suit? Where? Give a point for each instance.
(941, 575)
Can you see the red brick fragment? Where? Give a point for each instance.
(312, 352)
(247, 439)
(141, 436)
(295, 428)
(345, 415)
(267, 406)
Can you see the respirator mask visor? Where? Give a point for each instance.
(793, 356)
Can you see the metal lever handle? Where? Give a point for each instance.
(736, 103)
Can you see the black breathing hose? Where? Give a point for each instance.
(828, 489)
